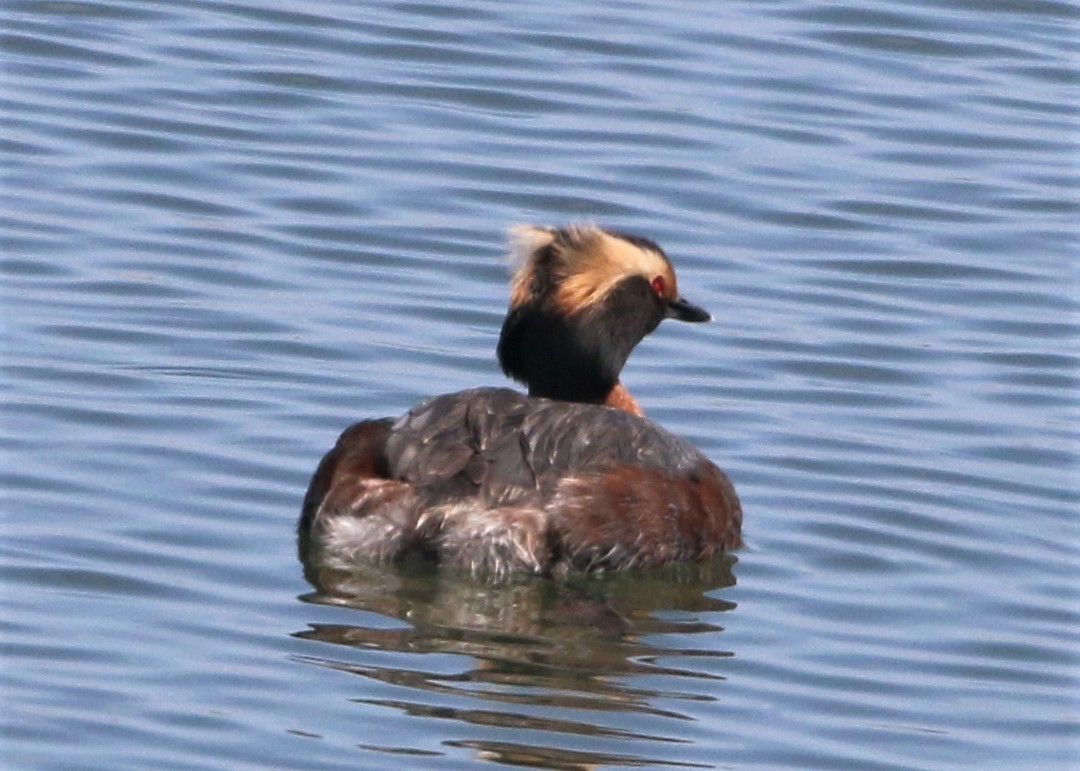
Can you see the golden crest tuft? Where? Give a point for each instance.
(526, 243)
(584, 263)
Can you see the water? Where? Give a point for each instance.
(231, 228)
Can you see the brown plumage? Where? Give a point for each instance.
(571, 477)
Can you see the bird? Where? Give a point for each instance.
(568, 478)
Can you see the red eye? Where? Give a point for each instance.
(659, 286)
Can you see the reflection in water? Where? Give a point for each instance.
(537, 649)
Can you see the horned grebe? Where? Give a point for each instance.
(572, 477)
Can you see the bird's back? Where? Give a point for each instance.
(502, 446)
(498, 482)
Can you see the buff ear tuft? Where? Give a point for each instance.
(527, 240)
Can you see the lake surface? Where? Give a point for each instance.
(232, 228)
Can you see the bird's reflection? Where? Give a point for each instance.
(582, 644)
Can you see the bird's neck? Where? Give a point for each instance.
(619, 398)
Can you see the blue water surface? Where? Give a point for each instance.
(230, 228)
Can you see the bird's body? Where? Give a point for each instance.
(571, 477)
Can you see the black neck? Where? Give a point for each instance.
(577, 357)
